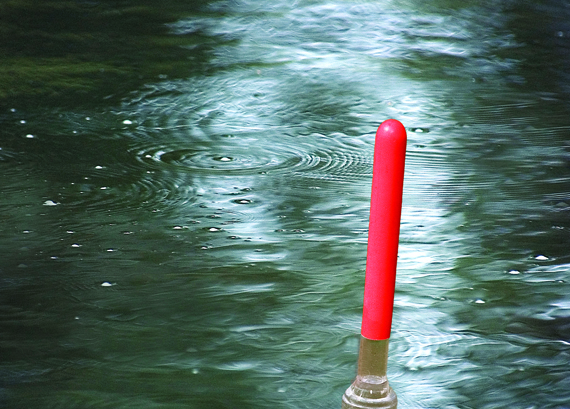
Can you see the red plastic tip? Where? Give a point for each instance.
(384, 229)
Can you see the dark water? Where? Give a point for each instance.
(185, 190)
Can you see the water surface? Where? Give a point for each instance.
(198, 238)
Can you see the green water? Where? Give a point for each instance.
(185, 194)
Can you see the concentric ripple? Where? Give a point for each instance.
(310, 159)
(235, 160)
(112, 190)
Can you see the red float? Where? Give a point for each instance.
(384, 229)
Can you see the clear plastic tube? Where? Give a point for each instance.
(371, 388)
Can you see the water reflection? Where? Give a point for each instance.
(202, 243)
(83, 52)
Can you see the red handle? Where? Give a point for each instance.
(384, 229)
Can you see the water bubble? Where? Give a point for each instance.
(223, 159)
(242, 201)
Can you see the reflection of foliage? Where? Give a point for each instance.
(76, 51)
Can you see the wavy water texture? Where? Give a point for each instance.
(203, 243)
